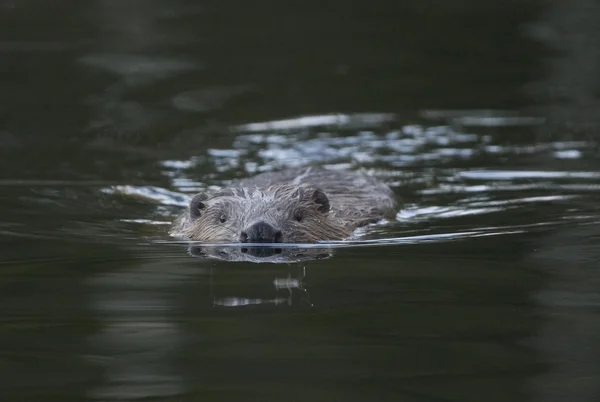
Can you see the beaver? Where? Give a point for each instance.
(298, 205)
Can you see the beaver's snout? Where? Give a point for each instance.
(261, 232)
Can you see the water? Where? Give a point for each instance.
(481, 118)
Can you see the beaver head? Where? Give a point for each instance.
(277, 214)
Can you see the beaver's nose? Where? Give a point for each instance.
(261, 232)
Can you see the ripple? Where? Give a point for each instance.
(436, 212)
(286, 253)
(150, 193)
(483, 118)
(336, 120)
(408, 145)
(415, 239)
(521, 174)
(482, 121)
(568, 154)
(493, 188)
(465, 208)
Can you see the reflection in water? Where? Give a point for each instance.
(287, 253)
(139, 339)
(569, 303)
(290, 286)
(258, 253)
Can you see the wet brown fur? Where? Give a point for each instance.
(279, 198)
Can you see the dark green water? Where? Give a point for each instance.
(482, 118)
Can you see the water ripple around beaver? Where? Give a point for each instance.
(453, 181)
(435, 169)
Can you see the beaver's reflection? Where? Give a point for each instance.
(278, 255)
(261, 252)
(287, 290)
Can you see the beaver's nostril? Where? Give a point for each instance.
(261, 232)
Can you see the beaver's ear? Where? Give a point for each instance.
(320, 198)
(197, 205)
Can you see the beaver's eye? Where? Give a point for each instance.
(222, 219)
(298, 216)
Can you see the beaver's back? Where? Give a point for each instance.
(353, 196)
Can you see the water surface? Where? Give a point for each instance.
(484, 287)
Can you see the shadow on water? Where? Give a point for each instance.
(480, 116)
